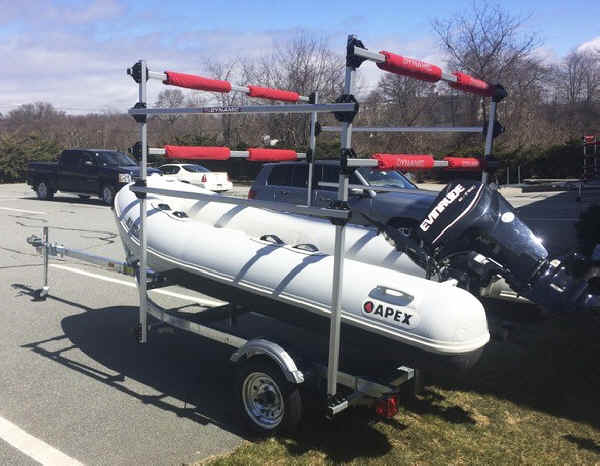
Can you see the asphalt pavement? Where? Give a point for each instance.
(75, 379)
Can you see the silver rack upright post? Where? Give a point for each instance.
(338, 259)
(142, 285)
(312, 145)
(489, 140)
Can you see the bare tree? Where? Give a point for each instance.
(303, 64)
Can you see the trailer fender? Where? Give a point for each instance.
(262, 347)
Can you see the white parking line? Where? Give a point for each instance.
(33, 447)
(201, 301)
(26, 211)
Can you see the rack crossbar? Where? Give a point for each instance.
(228, 109)
(407, 129)
(279, 206)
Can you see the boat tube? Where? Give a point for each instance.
(392, 317)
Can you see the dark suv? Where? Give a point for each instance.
(404, 208)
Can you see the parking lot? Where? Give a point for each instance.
(76, 387)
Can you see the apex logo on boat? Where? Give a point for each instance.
(448, 199)
(388, 313)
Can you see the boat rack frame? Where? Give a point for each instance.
(345, 109)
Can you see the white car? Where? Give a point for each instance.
(197, 175)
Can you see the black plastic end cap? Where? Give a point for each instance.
(346, 117)
(352, 60)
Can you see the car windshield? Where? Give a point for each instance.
(116, 158)
(195, 168)
(387, 178)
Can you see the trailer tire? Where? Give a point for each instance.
(267, 402)
(44, 192)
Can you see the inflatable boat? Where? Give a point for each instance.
(393, 318)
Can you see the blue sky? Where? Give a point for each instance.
(74, 53)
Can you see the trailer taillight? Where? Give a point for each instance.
(203, 178)
(387, 407)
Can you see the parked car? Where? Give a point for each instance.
(86, 172)
(402, 209)
(197, 175)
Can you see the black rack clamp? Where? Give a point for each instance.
(309, 155)
(346, 117)
(499, 93)
(136, 150)
(497, 131)
(136, 72)
(347, 153)
(352, 60)
(140, 183)
(140, 118)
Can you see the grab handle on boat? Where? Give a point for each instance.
(272, 239)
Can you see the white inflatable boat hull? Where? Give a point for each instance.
(400, 319)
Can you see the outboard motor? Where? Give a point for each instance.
(473, 234)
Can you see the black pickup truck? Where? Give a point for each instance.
(86, 172)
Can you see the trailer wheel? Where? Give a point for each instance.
(44, 192)
(267, 401)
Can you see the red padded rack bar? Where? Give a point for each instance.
(417, 69)
(463, 163)
(190, 81)
(197, 152)
(467, 83)
(258, 154)
(273, 94)
(404, 161)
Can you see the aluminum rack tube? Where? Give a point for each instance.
(338, 258)
(142, 285)
(407, 129)
(279, 108)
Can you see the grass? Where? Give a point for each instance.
(532, 399)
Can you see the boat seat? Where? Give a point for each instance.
(272, 239)
(306, 247)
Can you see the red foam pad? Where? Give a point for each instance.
(404, 161)
(470, 84)
(197, 152)
(258, 154)
(590, 139)
(417, 69)
(469, 163)
(189, 81)
(273, 94)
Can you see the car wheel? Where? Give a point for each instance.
(267, 401)
(108, 194)
(44, 192)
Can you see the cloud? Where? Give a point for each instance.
(45, 12)
(590, 46)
